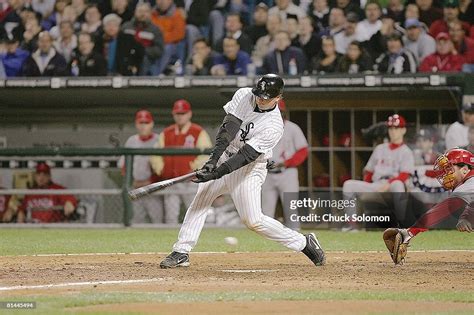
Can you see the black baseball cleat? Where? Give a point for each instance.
(313, 250)
(174, 260)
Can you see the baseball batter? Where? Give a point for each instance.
(290, 152)
(388, 169)
(251, 128)
(151, 207)
(455, 171)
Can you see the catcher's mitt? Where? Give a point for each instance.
(393, 239)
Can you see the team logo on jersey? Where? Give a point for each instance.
(244, 133)
(189, 141)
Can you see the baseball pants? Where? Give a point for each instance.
(245, 187)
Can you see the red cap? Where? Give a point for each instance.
(43, 168)
(458, 156)
(396, 121)
(442, 35)
(181, 107)
(282, 105)
(143, 116)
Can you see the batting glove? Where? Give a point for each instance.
(202, 176)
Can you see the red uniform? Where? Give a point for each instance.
(44, 207)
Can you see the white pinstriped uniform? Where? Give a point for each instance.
(262, 131)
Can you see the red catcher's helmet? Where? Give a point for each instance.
(444, 166)
(282, 105)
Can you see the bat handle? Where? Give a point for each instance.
(137, 193)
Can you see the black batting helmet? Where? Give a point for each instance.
(269, 86)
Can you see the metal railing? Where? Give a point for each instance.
(128, 154)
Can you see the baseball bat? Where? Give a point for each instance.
(148, 189)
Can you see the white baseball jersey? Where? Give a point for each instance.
(457, 135)
(292, 140)
(141, 163)
(386, 163)
(261, 132)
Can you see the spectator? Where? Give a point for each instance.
(284, 59)
(356, 60)
(233, 61)
(233, 27)
(412, 12)
(377, 44)
(45, 61)
(349, 35)
(183, 133)
(445, 59)
(43, 7)
(258, 28)
(31, 33)
(148, 35)
(308, 41)
(172, 25)
(196, 13)
(55, 17)
(93, 22)
(46, 208)
(285, 7)
(69, 14)
(417, 40)
(80, 8)
(122, 53)
(122, 9)
(86, 62)
(395, 10)
(466, 11)
(152, 206)
(350, 6)
(450, 14)
(67, 41)
(319, 13)
(293, 28)
(337, 22)
(457, 133)
(372, 23)
(396, 59)
(266, 43)
(202, 58)
(428, 12)
(12, 19)
(463, 45)
(13, 58)
(328, 59)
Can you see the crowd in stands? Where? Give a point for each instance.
(234, 37)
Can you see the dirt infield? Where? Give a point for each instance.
(435, 272)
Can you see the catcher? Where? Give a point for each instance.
(455, 171)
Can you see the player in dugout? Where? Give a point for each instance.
(46, 208)
(388, 170)
(455, 171)
(182, 134)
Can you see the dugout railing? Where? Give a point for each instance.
(47, 154)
